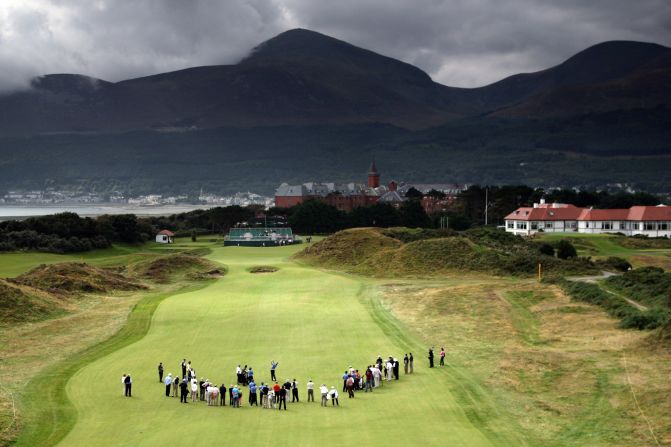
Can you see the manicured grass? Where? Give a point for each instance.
(524, 366)
(605, 245)
(316, 324)
(13, 264)
(49, 415)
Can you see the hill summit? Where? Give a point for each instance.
(302, 77)
(304, 105)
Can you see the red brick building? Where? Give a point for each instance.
(347, 196)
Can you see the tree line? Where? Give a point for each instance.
(68, 232)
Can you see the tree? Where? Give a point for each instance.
(546, 249)
(378, 215)
(566, 250)
(435, 194)
(413, 215)
(313, 216)
(120, 228)
(194, 237)
(413, 194)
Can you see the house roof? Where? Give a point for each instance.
(570, 212)
(391, 197)
(286, 190)
(612, 214)
(530, 213)
(424, 188)
(166, 233)
(645, 213)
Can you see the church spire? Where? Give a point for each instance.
(373, 168)
(373, 176)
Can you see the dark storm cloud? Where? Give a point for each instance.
(458, 42)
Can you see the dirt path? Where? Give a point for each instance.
(595, 280)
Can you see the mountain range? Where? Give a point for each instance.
(611, 100)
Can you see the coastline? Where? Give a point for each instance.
(8, 212)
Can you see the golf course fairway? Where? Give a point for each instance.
(316, 324)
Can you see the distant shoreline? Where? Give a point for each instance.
(8, 212)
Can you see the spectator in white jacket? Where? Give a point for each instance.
(334, 396)
(325, 392)
(194, 390)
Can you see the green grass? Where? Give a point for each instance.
(49, 415)
(13, 264)
(523, 319)
(601, 245)
(315, 323)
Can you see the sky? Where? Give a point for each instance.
(465, 43)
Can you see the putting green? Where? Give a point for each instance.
(315, 324)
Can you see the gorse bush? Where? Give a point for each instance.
(630, 317)
(546, 249)
(566, 250)
(646, 319)
(614, 263)
(649, 285)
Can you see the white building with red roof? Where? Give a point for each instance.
(547, 217)
(165, 237)
(652, 221)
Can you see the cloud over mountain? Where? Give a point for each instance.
(458, 43)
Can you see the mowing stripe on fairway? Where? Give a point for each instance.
(47, 413)
(316, 324)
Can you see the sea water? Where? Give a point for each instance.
(15, 211)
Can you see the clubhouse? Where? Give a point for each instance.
(652, 221)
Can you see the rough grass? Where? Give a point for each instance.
(263, 269)
(174, 267)
(75, 278)
(562, 369)
(374, 252)
(649, 285)
(20, 303)
(616, 306)
(644, 242)
(663, 336)
(348, 248)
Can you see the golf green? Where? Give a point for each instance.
(313, 322)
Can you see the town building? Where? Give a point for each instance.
(652, 221)
(344, 196)
(347, 196)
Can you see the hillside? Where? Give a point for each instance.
(50, 290)
(22, 304)
(305, 102)
(415, 253)
(302, 77)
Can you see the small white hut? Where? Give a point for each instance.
(165, 237)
